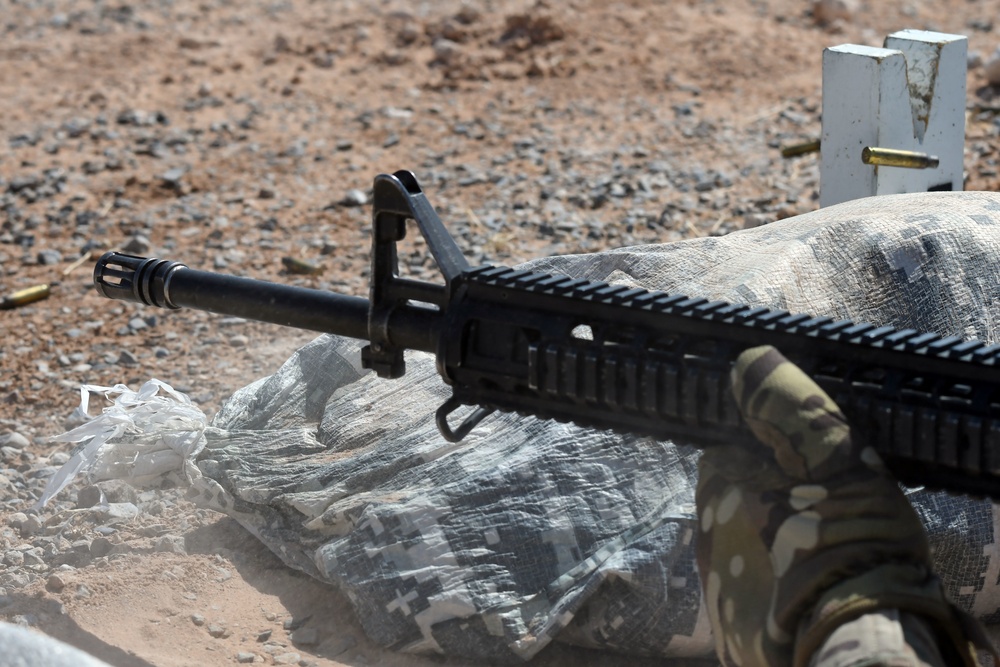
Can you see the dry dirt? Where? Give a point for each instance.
(231, 135)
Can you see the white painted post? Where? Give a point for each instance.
(908, 96)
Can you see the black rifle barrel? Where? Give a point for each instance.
(158, 282)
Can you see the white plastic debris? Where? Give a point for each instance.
(144, 436)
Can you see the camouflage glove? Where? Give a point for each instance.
(808, 532)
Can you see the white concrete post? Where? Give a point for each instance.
(908, 96)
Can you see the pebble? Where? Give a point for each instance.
(137, 245)
(171, 544)
(31, 526)
(126, 358)
(172, 177)
(264, 636)
(292, 623)
(198, 619)
(23, 182)
(286, 658)
(88, 496)
(218, 631)
(100, 547)
(116, 512)
(245, 657)
(991, 68)
(55, 583)
(49, 257)
(354, 197)
(15, 440)
(119, 491)
(829, 11)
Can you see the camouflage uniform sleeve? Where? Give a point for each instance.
(808, 537)
(888, 638)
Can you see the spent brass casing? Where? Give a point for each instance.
(891, 157)
(25, 296)
(803, 148)
(301, 267)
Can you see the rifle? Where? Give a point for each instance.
(613, 357)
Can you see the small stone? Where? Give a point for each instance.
(24, 182)
(198, 619)
(120, 512)
(15, 440)
(245, 658)
(88, 496)
(101, 546)
(126, 358)
(239, 341)
(13, 558)
(830, 11)
(76, 126)
(17, 519)
(218, 631)
(55, 583)
(354, 197)
(173, 176)
(137, 245)
(49, 257)
(991, 69)
(323, 60)
(287, 659)
(82, 592)
(119, 491)
(137, 324)
(263, 636)
(31, 526)
(34, 557)
(173, 544)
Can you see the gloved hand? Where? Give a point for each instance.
(808, 531)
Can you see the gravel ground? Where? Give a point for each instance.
(243, 137)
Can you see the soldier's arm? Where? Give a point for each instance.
(809, 552)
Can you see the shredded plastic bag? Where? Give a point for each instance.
(149, 437)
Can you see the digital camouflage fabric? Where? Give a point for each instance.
(808, 532)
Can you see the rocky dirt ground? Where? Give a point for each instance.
(244, 136)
